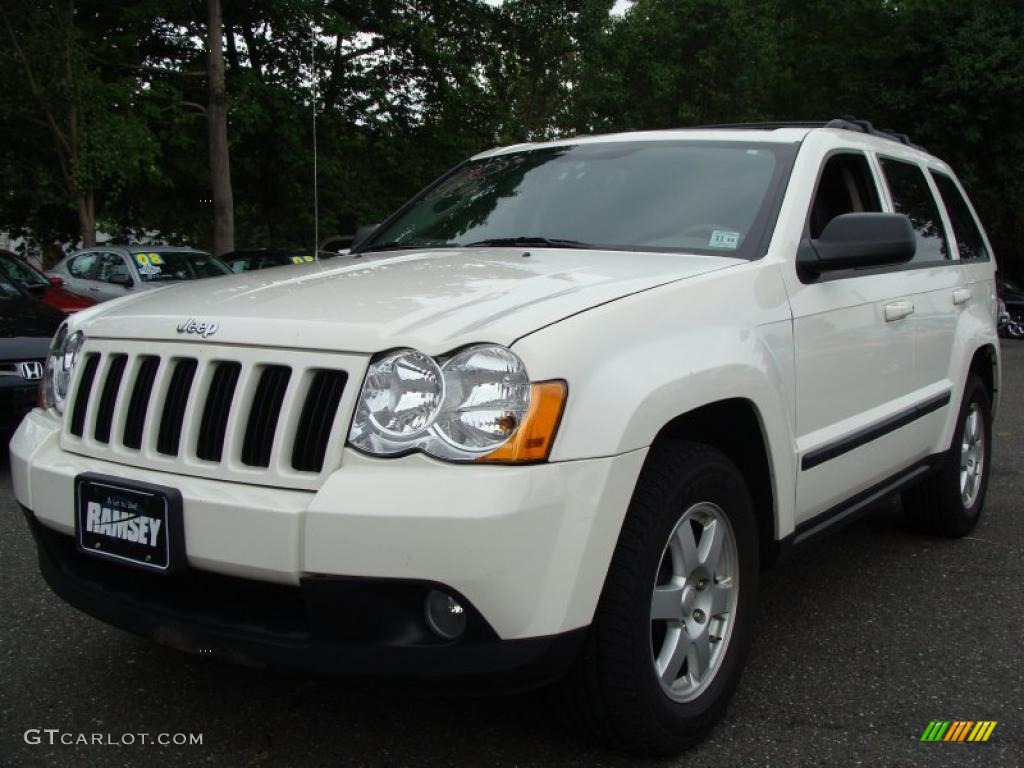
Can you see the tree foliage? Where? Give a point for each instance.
(405, 88)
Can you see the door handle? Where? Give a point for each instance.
(961, 296)
(898, 310)
(94, 289)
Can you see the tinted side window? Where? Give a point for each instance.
(845, 186)
(912, 196)
(965, 228)
(82, 266)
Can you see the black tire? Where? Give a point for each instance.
(936, 505)
(613, 691)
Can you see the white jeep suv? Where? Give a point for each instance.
(547, 422)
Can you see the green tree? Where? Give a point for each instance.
(85, 121)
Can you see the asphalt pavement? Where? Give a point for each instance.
(860, 643)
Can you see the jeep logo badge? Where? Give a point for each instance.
(198, 327)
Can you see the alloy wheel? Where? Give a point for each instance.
(693, 605)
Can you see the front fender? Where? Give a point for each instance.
(637, 363)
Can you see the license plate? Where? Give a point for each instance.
(136, 524)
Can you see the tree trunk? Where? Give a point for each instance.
(87, 217)
(217, 121)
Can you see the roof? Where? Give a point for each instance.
(786, 135)
(776, 132)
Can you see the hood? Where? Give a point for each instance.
(433, 300)
(28, 317)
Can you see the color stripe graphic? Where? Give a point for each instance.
(958, 730)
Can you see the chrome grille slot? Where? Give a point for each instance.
(263, 415)
(317, 420)
(213, 428)
(175, 402)
(108, 397)
(81, 405)
(242, 414)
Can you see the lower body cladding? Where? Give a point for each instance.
(408, 567)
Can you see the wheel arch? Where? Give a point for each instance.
(735, 427)
(985, 363)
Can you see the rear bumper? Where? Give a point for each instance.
(347, 626)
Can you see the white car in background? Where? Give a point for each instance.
(110, 272)
(547, 423)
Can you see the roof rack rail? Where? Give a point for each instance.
(846, 123)
(768, 126)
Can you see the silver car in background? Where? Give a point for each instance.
(107, 272)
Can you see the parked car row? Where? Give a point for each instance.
(50, 290)
(28, 324)
(33, 303)
(263, 258)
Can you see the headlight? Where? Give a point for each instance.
(60, 364)
(475, 405)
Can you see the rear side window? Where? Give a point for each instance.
(969, 241)
(912, 196)
(82, 266)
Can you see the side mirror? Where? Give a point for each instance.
(122, 279)
(55, 281)
(362, 234)
(859, 240)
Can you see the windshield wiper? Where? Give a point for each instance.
(547, 242)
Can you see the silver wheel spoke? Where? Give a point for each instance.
(686, 547)
(711, 546)
(670, 666)
(667, 603)
(699, 656)
(721, 598)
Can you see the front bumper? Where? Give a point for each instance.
(352, 627)
(526, 547)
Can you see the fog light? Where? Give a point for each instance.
(445, 616)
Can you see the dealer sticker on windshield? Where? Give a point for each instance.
(723, 238)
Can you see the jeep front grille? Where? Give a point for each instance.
(234, 413)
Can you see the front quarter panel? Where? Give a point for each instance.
(634, 365)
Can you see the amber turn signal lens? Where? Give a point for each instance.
(533, 440)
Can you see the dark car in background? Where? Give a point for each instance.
(26, 327)
(338, 244)
(263, 258)
(1012, 298)
(108, 272)
(50, 289)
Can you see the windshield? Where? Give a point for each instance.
(703, 197)
(154, 266)
(21, 272)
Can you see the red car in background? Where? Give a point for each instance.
(48, 289)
